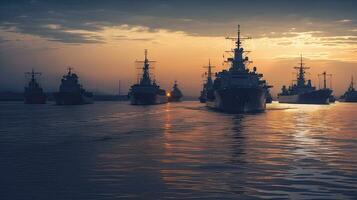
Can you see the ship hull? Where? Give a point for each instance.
(202, 99)
(147, 95)
(269, 99)
(147, 99)
(313, 97)
(239, 100)
(174, 98)
(35, 99)
(66, 98)
(352, 98)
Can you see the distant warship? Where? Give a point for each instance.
(208, 84)
(269, 98)
(147, 92)
(302, 92)
(350, 95)
(71, 92)
(203, 95)
(175, 94)
(33, 92)
(238, 90)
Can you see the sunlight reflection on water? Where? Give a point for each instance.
(177, 150)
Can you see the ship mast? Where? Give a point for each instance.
(119, 91)
(324, 74)
(351, 84)
(70, 70)
(238, 63)
(209, 73)
(145, 79)
(301, 73)
(33, 74)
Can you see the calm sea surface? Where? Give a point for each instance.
(111, 150)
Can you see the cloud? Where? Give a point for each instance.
(61, 20)
(344, 21)
(124, 37)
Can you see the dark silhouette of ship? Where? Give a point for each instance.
(238, 90)
(175, 94)
(33, 92)
(208, 84)
(302, 92)
(269, 98)
(71, 92)
(147, 92)
(350, 95)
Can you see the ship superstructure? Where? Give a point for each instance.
(324, 75)
(238, 89)
(351, 94)
(302, 92)
(146, 91)
(33, 92)
(71, 91)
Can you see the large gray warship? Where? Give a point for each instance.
(302, 92)
(238, 90)
(147, 92)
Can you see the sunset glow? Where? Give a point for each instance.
(106, 52)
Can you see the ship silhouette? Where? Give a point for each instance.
(175, 94)
(71, 92)
(269, 98)
(351, 94)
(147, 92)
(33, 92)
(302, 92)
(238, 90)
(208, 84)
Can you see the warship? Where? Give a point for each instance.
(208, 84)
(146, 91)
(71, 92)
(350, 95)
(302, 92)
(176, 94)
(33, 92)
(269, 97)
(238, 90)
(202, 98)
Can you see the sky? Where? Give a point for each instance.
(102, 40)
